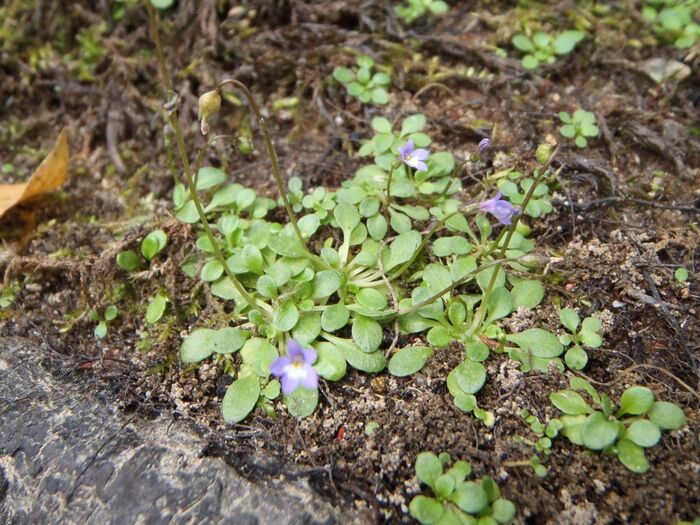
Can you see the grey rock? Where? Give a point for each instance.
(67, 456)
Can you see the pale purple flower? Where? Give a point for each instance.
(414, 158)
(295, 368)
(483, 144)
(499, 208)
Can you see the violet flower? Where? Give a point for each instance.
(499, 208)
(414, 158)
(295, 368)
(483, 144)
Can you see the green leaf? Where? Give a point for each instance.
(445, 246)
(380, 96)
(632, 456)
(681, 274)
(371, 298)
(527, 293)
(565, 118)
(259, 353)
(365, 61)
(428, 468)
(100, 330)
(599, 432)
(538, 342)
(426, 510)
(347, 216)
(272, 390)
(307, 328)
(326, 283)
(477, 350)
(153, 243)
(210, 176)
(161, 4)
(367, 333)
(211, 271)
(500, 304)
(643, 433)
(371, 363)
(470, 376)
(530, 62)
(470, 497)
(580, 384)
(302, 402)
(459, 471)
(636, 400)
(381, 125)
(444, 485)
(308, 224)
(413, 124)
(503, 510)
(240, 399)
(402, 249)
(188, 213)
(576, 358)
(409, 360)
(666, 415)
(566, 42)
(568, 131)
(590, 332)
(331, 364)
(335, 317)
(111, 313)
(286, 316)
(580, 141)
(343, 75)
(286, 246)
(156, 308)
(570, 402)
(438, 7)
(523, 43)
(570, 319)
(128, 260)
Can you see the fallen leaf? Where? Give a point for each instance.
(50, 174)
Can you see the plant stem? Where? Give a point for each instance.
(388, 185)
(270, 152)
(182, 149)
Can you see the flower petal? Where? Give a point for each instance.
(420, 154)
(277, 366)
(406, 149)
(309, 355)
(419, 165)
(293, 348)
(310, 380)
(289, 384)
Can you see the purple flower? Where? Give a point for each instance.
(499, 208)
(295, 368)
(483, 144)
(414, 158)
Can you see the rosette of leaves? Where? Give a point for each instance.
(362, 83)
(319, 201)
(674, 23)
(582, 334)
(412, 10)
(110, 314)
(542, 48)
(385, 143)
(540, 204)
(624, 430)
(151, 245)
(579, 126)
(455, 499)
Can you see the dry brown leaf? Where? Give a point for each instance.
(50, 174)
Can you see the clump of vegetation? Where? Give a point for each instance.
(673, 21)
(542, 48)
(454, 499)
(151, 245)
(579, 126)
(412, 10)
(624, 430)
(364, 84)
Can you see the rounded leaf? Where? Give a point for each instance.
(330, 364)
(576, 358)
(302, 402)
(470, 497)
(335, 317)
(632, 456)
(636, 400)
(599, 432)
(503, 510)
(240, 399)
(286, 316)
(666, 415)
(523, 43)
(428, 468)
(643, 433)
(409, 360)
(128, 260)
(426, 510)
(471, 376)
(367, 333)
(570, 402)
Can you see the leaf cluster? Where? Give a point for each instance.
(457, 500)
(542, 48)
(412, 10)
(673, 22)
(363, 84)
(579, 126)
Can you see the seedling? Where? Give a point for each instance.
(454, 499)
(681, 275)
(412, 10)
(151, 245)
(672, 22)
(624, 431)
(363, 84)
(542, 48)
(579, 126)
(110, 314)
(587, 334)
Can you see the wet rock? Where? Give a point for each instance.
(67, 456)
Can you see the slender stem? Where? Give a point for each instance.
(182, 149)
(481, 312)
(388, 185)
(451, 287)
(270, 152)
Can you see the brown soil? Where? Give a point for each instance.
(625, 217)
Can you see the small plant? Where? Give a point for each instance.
(151, 245)
(542, 48)
(412, 10)
(578, 126)
(110, 314)
(681, 275)
(545, 434)
(588, 334)
(364, 85)
(385, 144)
(673, 21)
(625, 432)
(454, 499)
(8, 292)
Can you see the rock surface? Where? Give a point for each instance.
(67, 456)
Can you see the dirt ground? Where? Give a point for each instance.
(626, 215)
